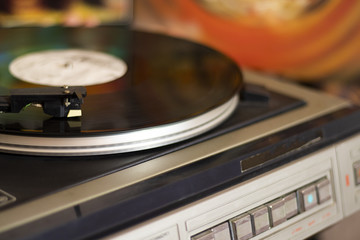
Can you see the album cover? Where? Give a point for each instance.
(87, 13)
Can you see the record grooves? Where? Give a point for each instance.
(170, 90)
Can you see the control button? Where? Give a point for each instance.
(291, 205)
(308, 197)
(260, 218)
(277, 212)
(357, 172)
(220, 232)
(324, 190)
(207, 235)
(241, 227)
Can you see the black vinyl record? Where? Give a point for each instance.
(135, 81)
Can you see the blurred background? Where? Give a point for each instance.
(315, 42)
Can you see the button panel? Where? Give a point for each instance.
(272, 214)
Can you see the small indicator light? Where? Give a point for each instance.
(347, 179)
(310, 198)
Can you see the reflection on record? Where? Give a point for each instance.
(167, 80)
(136, 80)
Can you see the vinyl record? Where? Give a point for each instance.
(143, 89)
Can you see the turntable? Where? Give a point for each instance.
(173, 142)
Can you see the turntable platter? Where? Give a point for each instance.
(148, 90)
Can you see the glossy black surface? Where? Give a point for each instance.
(29, 177)
(168, 80)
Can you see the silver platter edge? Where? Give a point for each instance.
(120, 142)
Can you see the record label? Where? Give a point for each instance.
(72, 67)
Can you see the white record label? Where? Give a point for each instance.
(72, 67)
